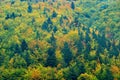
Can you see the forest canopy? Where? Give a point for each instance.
(59, 40)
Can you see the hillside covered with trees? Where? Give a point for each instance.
(59, 40)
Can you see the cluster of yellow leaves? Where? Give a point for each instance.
(93, 53)
(54, 20)
(60, 75)
(35, 74)
(98, 68)
(58, 54)
(7, 6)
(96, 32)
(87, 77)
(115, 71)
(40, 19)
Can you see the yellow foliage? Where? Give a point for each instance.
(29, 30)
(60, 75)
(40, 19)
(32, 44)
(59, 66)
(93, 53)
(72, 35)
(54, 20)
(87, 77)
(115, 69)
(58, 54)
(16, 39)
(70, 38)
(98, 68)
(20, 28)
(59, 12)
(96, 32)
(35, 74)
(27, 33)
(34, 14)
(77, 9)
(43, 45)
(91, 30)
(11, 61)
(117, 42)
(7, 6)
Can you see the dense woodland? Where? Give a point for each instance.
(59, 40)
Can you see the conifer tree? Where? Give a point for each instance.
(67, 54)
(73, 5)
(29, 9)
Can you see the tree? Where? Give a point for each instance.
(79, 46)
(54, 14)
(12, 2)
(33, 20)
(104, 74)
(13, 15)
(22, 0)
(61, 20)
(51, 59)
(17, 49)
(7, 17)
(74, 70)
(1, 58)
(64, 31)
(36, 74)
(45, 25)
(24, 45)
(29, 9)
(55, 29)
(18, 62)
(49, 21)
(52, 40)
(12, 74)
(73, 5)
(86, 76)
(67, 54)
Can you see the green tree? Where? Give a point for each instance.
(73, 5)
(67, 54)
(54, 14)
(104, 74)
(24, 45)
(51, 59)
(29, 9)
(12, 1)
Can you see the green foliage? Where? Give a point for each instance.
(73, 5)
(24, 45)
(51, 59)
(59, 40)
(67, 54)
(54, 14)
(29, 9)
